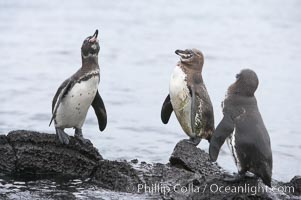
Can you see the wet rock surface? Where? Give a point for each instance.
(7, 156)
(116, 176)
(296, 183)
(184, 156)
(189, 174)
(36, 154)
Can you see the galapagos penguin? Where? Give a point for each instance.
(243, 128)
(75, 95)
(188, 97)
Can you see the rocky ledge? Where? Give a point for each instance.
(189, 174)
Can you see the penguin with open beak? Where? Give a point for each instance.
(75, 95)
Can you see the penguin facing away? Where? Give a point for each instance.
(188, 97)
(75, 95)
(243, 128)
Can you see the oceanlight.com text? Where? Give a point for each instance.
(161, 188)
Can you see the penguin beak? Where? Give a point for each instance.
(179, 52)
(94, 37)
(184, 54)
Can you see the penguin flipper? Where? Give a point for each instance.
(100, 111)
(193, 108)
(166, 110)
(60, 93)
(223, 130)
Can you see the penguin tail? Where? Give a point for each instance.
(51, 121)
(209, 138)
(268, 183)
(266, 179)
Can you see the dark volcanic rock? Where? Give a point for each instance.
(189, 175)
(296, 183)
(41, 153)
(7, 156)
(117, 176)
(184, 156)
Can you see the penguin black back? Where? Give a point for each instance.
(243, 127)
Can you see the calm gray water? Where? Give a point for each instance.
(66, 190)
(40, 47)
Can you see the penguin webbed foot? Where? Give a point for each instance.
(235, 178)
(239, 177)
(194, 141)
(250, 176)
(79, 136)
(62, 136)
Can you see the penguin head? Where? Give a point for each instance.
(191, 57)
(90, 47)
(246, 83)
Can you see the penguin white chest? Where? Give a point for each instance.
(231, 140)
(74, 107)
(181, 99)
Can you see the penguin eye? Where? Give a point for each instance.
(237, 76)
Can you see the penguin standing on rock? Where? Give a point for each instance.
(244, 130)
(75, 95)
(188, 97)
